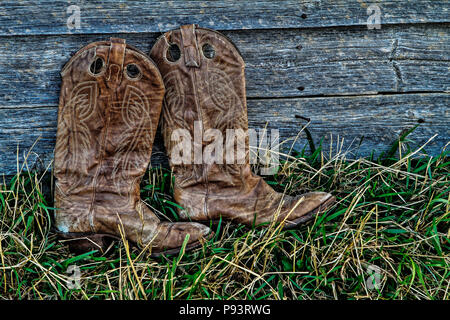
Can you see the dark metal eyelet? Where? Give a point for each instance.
(133, 71)
(208, 51)
(96, 66)
(173, 53)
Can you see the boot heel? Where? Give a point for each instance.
(80, 243)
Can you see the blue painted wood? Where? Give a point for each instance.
(33, 17)
(279, 63)
(306, 58)
(366, 123)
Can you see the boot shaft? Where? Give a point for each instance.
(110, 103)
(204, 106)
(107, 119)
(206, 96)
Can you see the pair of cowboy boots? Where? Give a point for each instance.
(110, 104)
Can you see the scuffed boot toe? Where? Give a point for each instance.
(170, 237)
(306, 206)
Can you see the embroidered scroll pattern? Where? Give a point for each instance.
(74, 136)
(221, 107)
(229, 111)
(177, 114)
(133, 149)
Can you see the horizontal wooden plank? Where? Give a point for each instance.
(112, 16)
(424, 75)
(366, 123)
(279, 63)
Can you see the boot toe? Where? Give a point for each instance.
(306, 206)
(172, 235)
(197, 231)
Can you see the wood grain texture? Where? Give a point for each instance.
(366, 123)
(279, 63)
(112, 16)
(310, 58)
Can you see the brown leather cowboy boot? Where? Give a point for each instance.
(206, 92)
(110, 103)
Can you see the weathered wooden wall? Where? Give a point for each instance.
(315, 59)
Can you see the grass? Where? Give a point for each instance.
(391, 217)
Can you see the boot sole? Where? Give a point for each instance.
(84, 242)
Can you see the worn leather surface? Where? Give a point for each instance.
(106, 127)
(211, 91)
